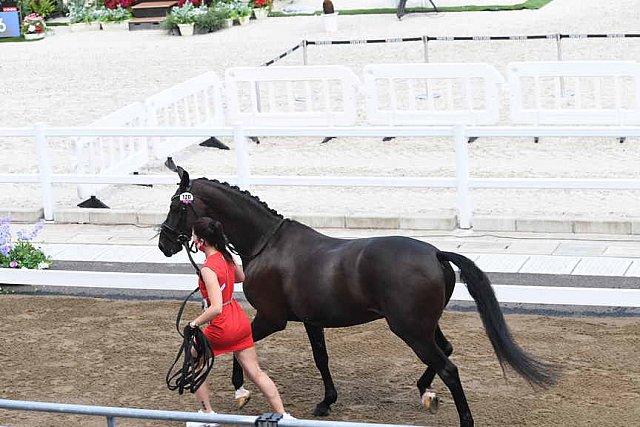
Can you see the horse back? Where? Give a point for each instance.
(342, 282)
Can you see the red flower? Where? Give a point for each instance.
(196, 3)
(261, 3)
(113, 4)
(38, 29)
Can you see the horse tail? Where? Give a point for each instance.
(535, 371)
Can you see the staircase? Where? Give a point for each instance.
(147, 14)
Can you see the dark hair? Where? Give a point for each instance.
(212, 232)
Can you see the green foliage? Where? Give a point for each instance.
(224, 10)
(185, 14)
(21, 253)
(118, 14)
(28, 256)
(210, 21)
(43, 8)
(81, 13)
(25, 7)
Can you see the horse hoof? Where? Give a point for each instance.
(430, 401)
(321, 410)
(243, 396)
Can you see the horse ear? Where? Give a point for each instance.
(184, 178)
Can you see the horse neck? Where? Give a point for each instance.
(244, 223)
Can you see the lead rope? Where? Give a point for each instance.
(195, 349)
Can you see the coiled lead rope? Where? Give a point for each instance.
(195, 349)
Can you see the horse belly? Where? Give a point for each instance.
(340, 316)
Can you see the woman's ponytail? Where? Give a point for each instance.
(212, 232)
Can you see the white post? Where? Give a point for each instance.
(305, 60)
(242, 156)
(44, 167)
(559, 57)
(463, 201)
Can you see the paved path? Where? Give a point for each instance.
(525, 253)
(529, 259)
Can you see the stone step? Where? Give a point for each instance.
(148, 23)
(152, 9)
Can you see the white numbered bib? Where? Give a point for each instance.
(186, 198)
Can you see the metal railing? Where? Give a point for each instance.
(111, 413)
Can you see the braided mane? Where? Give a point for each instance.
(243, 193)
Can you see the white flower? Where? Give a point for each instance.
(31, 28)
(43, 266)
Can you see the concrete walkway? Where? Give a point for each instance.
(521, 253)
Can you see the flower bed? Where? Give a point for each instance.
(21, 252)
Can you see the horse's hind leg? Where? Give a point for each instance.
(260, 328)
(432, 355)
(318, 345)
(430, 401)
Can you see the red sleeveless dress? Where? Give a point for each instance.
(230, 330)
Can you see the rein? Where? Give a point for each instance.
(195, 348)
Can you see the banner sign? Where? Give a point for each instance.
(10, 24)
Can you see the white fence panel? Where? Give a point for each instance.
(432, 94)
(575, 92)
(194, 103)
(112, 155)
(292, 96)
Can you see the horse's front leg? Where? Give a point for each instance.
(260, 328)
(318, 345)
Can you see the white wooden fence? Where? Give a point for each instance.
(195, 102)
(468, 110)
(110, 155)
(521, 294)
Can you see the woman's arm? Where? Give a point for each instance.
(215, 298)
(239, 273)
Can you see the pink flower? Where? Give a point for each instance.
(13, 264)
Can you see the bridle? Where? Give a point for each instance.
(177, 233)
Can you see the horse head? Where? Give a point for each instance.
(248, 222)
(175, 231)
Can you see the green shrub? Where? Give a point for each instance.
(210, 21)
(43, 8)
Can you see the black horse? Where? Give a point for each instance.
(294, 273)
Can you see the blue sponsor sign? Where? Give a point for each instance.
(9, 24)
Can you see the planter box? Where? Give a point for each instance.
(34, 36)
(261, 13)
(186, 29)
(227, 23)
(242, 20)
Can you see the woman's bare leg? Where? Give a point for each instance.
(202, 396)
(248, 359)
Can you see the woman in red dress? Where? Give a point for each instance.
(227, 326)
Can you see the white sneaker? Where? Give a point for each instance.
(199, 424)
(288, 416)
